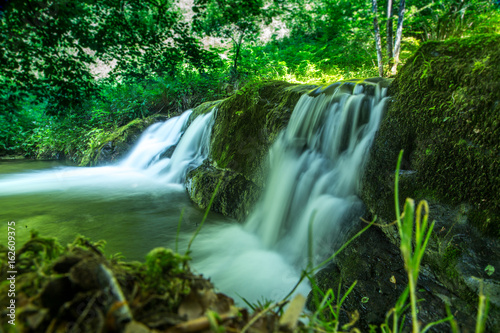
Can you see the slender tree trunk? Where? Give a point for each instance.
(378, 42)
(237, 46)
(399, 36)
(389, 30)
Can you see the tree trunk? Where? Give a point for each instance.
(399, 36)
(378, 42)
(237, 46)
(389, 30)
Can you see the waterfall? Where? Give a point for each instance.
(316, 164)
(188, 153)
(144, 168)
(315, 168)
(155, 140)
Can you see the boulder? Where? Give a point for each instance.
(445, 114)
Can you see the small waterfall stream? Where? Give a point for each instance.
(315, 166)
(143, 167)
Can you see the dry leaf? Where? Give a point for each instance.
(292, 314)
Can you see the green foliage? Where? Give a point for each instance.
(161, 266)
(334, 33)
(16, 127)
(443, 19)
(317, 61)
(237, 20)
(326, 317)
(50, 46)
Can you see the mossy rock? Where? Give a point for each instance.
(203, 108)
(115, 144)
(375, 265)
(445, 114)
(247, 123)
(235, 197)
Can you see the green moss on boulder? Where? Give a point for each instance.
(248, 122)
(235, 197)
(445, 114)
(246, 125)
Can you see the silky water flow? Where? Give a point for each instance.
(315, 169)
(314, 172)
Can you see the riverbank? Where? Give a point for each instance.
(77, 288)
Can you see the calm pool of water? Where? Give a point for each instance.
(132, 212)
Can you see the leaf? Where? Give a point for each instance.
(291, 316)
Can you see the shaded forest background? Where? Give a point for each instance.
(75, 71)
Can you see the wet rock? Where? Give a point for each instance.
(235, 197)
(375, 265)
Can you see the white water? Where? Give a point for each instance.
(315, 169)
(141, 171)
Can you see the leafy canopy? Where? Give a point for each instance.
(50, 46)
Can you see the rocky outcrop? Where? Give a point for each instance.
(234, 197)
(445, 114)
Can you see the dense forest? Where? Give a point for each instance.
(285, 100)
(74, 71)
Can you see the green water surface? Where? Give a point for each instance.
(131, 221)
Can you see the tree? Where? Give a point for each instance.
(389, 28)
(392, 53)
(40, 54)
(378, 43)
(399, 37)
(237, 20)
(48, 46)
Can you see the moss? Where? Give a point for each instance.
(445, 113)
(202, 109)
(163, 266)
(248, 122)
(236, 195)
(450, 260)
(484, 219)
(121, 137)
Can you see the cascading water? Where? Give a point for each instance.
(315, 167)
(134, 205)
(140, 169)
(315, 170)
